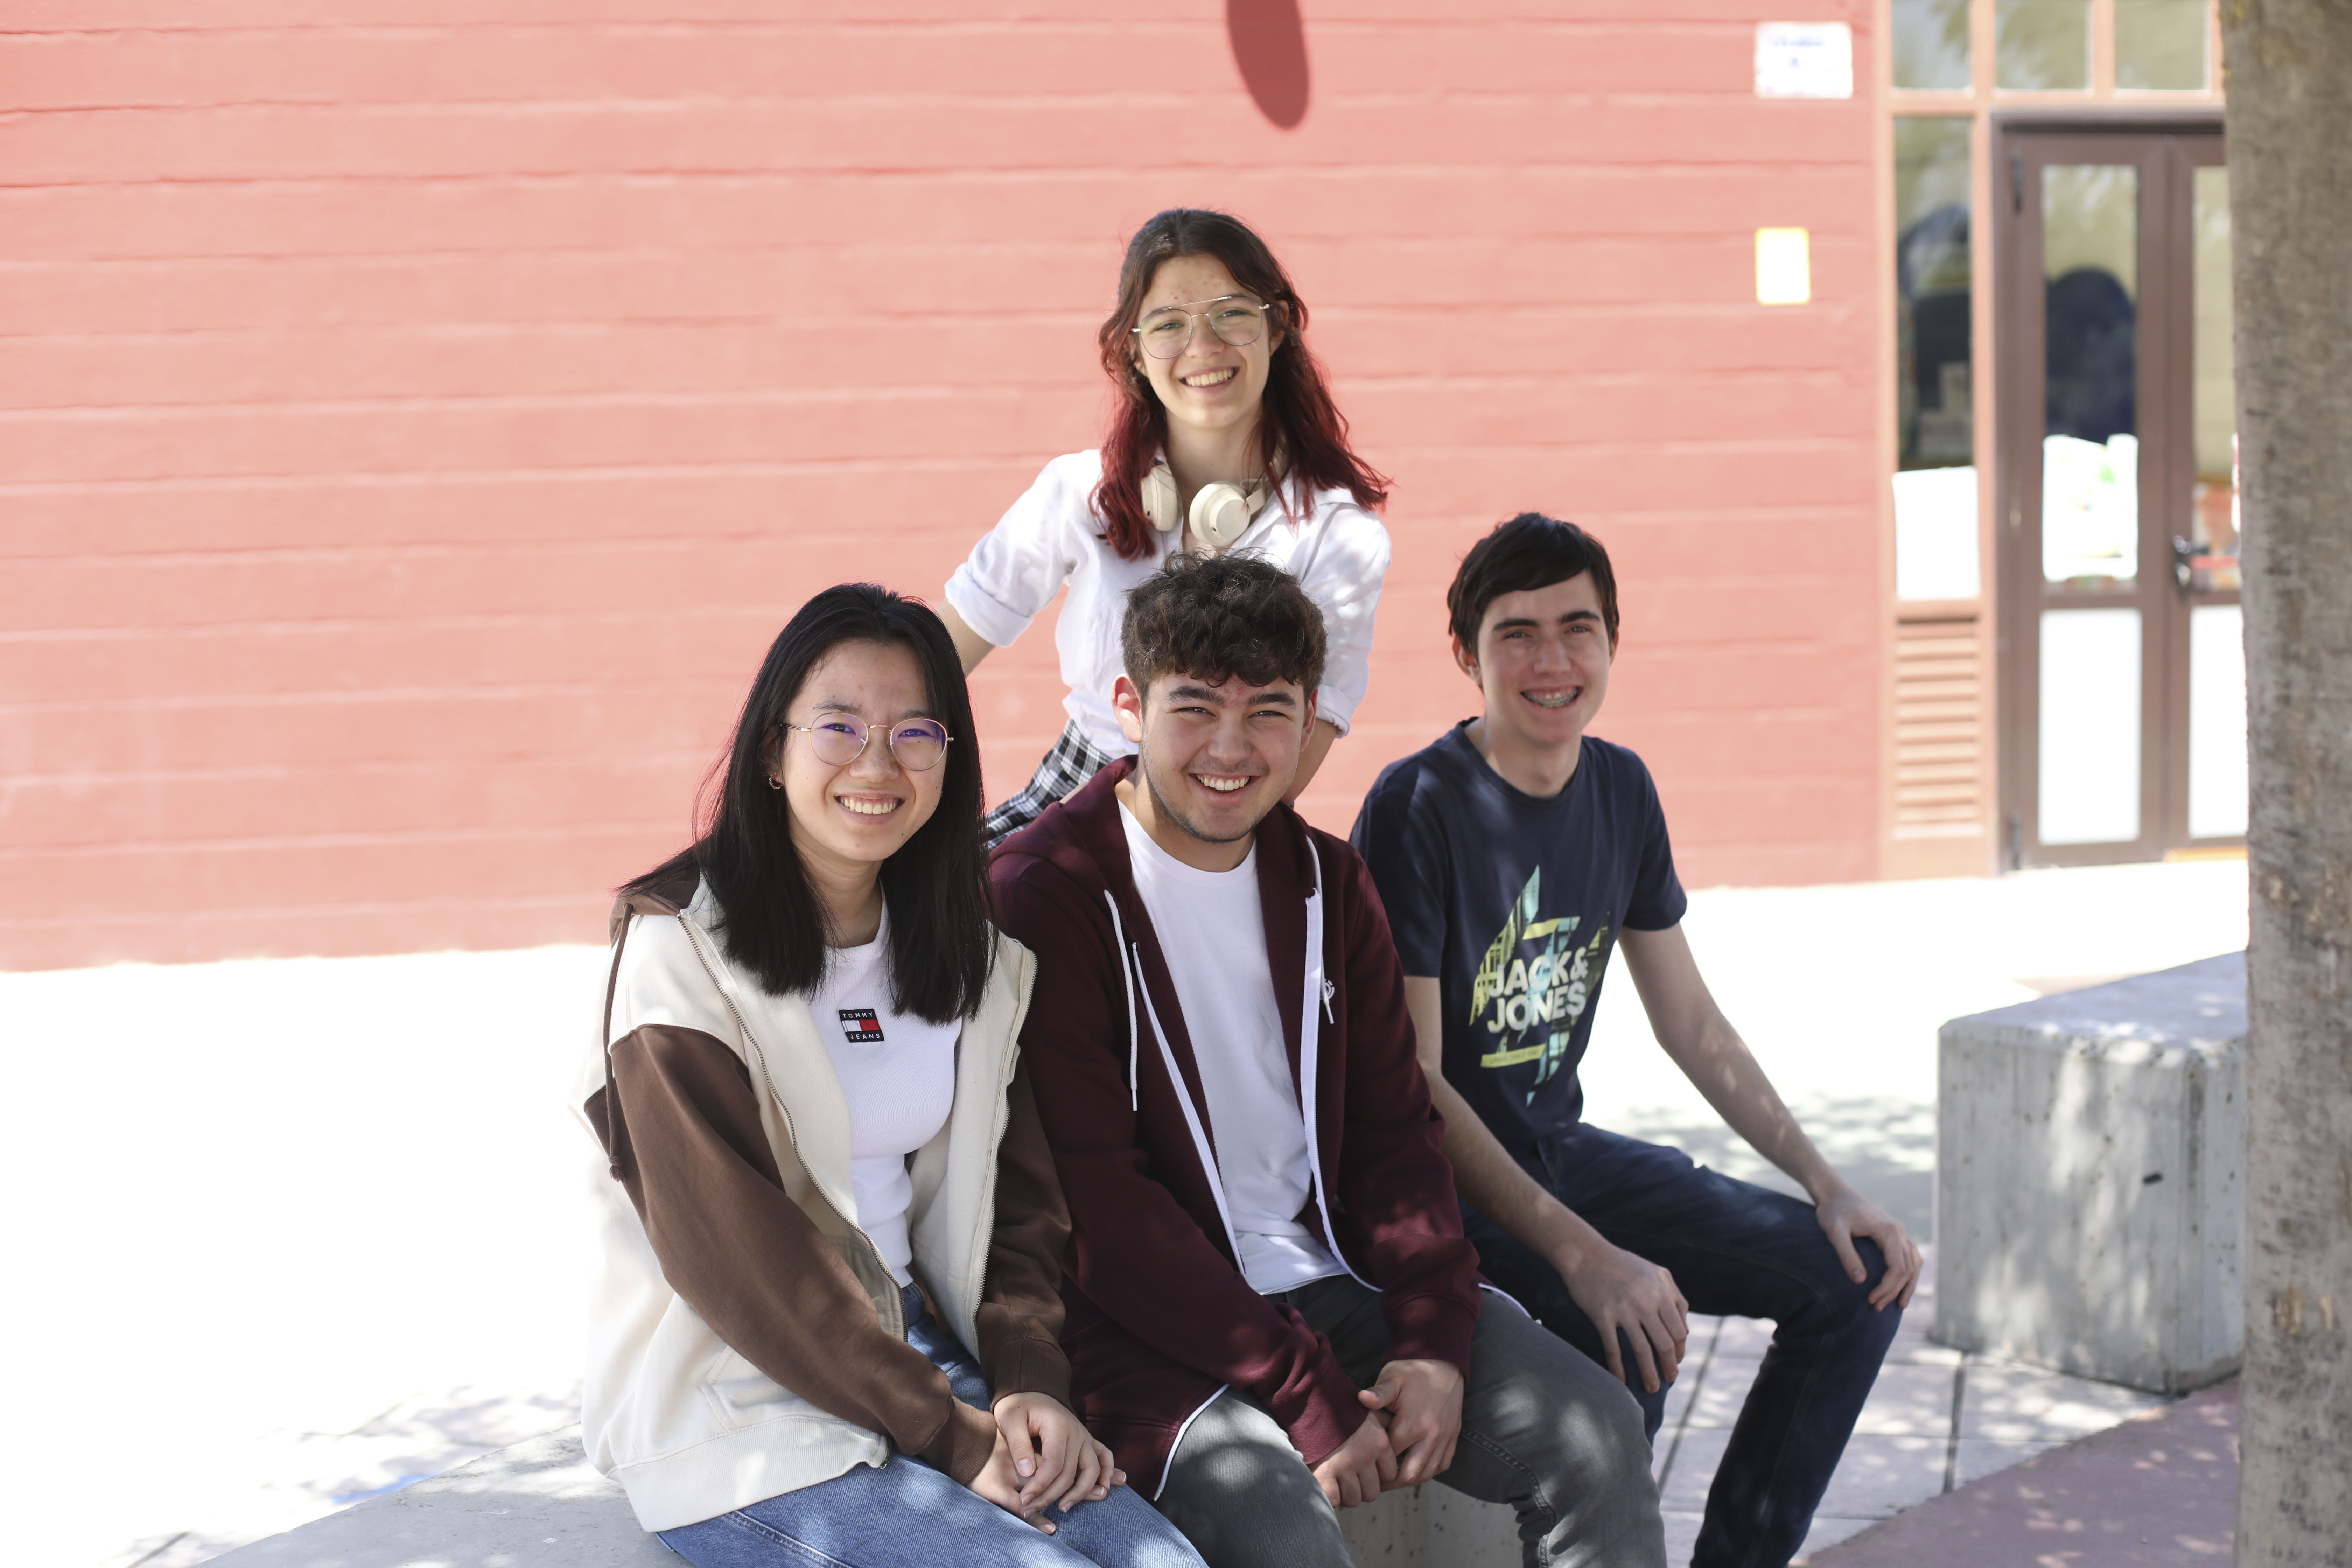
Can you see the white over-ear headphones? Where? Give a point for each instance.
(1220, 513)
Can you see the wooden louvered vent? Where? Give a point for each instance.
(1940, 760)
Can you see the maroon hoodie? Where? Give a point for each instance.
(1159, 1317)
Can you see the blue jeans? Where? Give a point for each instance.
(1735, 1249)
(905, 1514)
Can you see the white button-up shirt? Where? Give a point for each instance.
(1337, 551)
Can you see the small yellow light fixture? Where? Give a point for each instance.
(1784, 267)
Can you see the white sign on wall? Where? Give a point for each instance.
(1804, 59)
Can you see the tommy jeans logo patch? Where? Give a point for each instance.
(861, 1026)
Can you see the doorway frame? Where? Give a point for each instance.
(2163, 415)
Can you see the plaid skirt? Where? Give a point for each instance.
(1073, 761)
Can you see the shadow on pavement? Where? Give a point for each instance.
(1884, 1146)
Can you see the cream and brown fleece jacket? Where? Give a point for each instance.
(745, 1338)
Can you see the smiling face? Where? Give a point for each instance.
(1211, 386)
(847, 818)
(1216, 760)
(1542, 662)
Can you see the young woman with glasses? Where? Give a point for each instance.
(826, 1328)
(1223, 436)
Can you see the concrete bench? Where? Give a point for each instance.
(2090, 1194)
(542, 1505)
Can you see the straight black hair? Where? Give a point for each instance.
(1530, 551)
(935, 887)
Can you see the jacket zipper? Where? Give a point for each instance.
(1318, 979)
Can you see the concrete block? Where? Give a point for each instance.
(1429, 1526)
(2089, 1179)
(541, 1504)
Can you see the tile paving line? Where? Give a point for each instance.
(1682, 1421)
(166, 1546)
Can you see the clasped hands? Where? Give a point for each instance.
(1043, 1456)
(1414, 1419)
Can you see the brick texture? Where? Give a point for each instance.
(416, 417)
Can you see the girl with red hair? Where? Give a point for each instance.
(1223, 438)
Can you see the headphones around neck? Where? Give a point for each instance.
(1220, 514)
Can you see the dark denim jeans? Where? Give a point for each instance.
(1734, 1248)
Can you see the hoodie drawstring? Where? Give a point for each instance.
(1134, 1024)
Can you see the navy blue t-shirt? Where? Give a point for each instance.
(1513, 904)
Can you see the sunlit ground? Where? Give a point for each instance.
(293, 1232)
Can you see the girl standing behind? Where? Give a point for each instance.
(1224, 437)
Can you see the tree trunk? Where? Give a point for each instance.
(2290, 130)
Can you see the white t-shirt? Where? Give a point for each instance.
(1213, 934)
(1339, 552)
(897, 1072)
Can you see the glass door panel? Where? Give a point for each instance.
(2090, 726)
(2205, 562)
(2090, 443)
(2213, 496)
(2217, 722)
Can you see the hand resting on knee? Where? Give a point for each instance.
(1423, 1403)
(1413, 1420)
(1045, 1455)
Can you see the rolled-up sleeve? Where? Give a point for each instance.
(1344, 581)
(1014, 571)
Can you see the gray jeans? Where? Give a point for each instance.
(1544, 1428)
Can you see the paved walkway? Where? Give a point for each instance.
(311, 1228)
(2158, 1491)
(1936, 1421)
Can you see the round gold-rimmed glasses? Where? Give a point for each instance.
(839, 740)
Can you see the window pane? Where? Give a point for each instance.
(2042, 44)
(2213, 503)
(1931, 43)
(1932, 282)
(2089, 447)
(2160, 45)
(1934, 482)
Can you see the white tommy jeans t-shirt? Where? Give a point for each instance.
(897, 1072)
(1337, 550)
(1213, 934)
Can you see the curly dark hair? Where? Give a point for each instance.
(1214, 617)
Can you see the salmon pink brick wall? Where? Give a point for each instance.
(416, 416)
